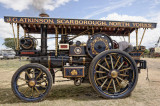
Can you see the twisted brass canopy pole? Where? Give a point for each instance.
(17, 37)
(56, 40)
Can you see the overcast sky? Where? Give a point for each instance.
(131, 10)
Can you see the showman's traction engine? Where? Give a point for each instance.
(113, 73)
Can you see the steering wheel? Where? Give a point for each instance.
(115, 44)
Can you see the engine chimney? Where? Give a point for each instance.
(43, 15)
(43, 35)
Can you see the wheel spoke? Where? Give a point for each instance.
(26, 90)
(22, 79)
(120, 66)
(116, 58)
(42, 85)
(100, 72)
(125, 69)
(22, 85)
(42, 80)
(28, 74)
(32, 92)
(111, 61)
(118, 82)
(103, 67)
(37, 90)
(107, 63)
(39, 74)
(124, 75)
(104, 83)
(117, 62)
(33, 74)
(114, 86)
(109, 84)
(101, 78)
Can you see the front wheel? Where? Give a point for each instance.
(113, 74)
(29, 79)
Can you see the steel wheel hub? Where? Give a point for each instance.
(114, 74)
(32, 83)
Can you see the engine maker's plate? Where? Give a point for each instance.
(73, 71)
(98, 43)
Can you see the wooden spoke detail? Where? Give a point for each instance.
(123, 75)
(114, 86)
(125, 69)
(26, 90)
(116, 58)
(118, 82)
(28, 75)
(120, 66)
(42, 80)
(104, 83)
(37, 90)
(109, 84)
(100, 72)
(111, 61)
(117, 62)
(103, 67)
(33, 72)
(32, 92)
(101, 78)
(107, 63)
(22, 79)
(39, 74)
(42, 85)
(22, 85)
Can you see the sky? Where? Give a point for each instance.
(121, 10)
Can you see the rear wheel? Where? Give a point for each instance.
(31, 82)
(113, 74)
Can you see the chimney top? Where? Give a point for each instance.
(43, 15)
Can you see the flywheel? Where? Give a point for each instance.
(98, 43)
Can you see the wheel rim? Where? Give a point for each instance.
(29, 81)
(114, 74)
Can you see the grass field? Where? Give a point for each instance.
(146, 93)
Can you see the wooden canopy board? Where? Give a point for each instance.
(76, 26)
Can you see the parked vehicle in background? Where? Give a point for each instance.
(1, 56)
(9, 56)
(5, 56)
(154, 52)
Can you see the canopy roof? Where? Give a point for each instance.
(76, 26)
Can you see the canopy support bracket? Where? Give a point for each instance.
(142, 37)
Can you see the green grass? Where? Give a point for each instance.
(12, 63)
